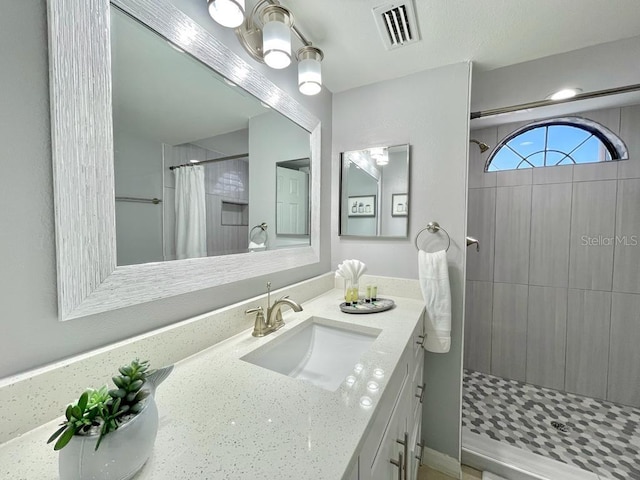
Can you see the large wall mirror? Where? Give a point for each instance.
(374, 192)
(193, 153)
(167, 146)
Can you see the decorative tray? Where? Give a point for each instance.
(379, 305)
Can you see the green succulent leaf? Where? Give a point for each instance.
(57, 433)
(67, 412)
(65, 438)
(136, 385)
(76, 412)
(82, 402)
(118, 381)
(141, 395)
(119, 393)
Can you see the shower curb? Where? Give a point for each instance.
(514, 463)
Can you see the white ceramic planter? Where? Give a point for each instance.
(122, 452)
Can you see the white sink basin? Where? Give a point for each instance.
(319, 353)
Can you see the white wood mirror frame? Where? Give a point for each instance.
(89, 281)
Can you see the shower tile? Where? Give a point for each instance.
(477, 325)
(588, 323)
(592, 235)
(481, 224)
(558, 174)
(509, 331)
(546, 336)
(477, 176)
(624, 360)
(600, 437)
(626, 260)
(588, 172)
(550, 231)
(629, 121)
(511, 178)
(513, 222)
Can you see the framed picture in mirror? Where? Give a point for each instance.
(399, 205)
(362, 206)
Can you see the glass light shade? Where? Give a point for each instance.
(276, 44)
(309, 70)
(228, 13)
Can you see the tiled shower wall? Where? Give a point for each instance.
(225, 181)
(542, 306)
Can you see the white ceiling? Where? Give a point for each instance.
(491, 33)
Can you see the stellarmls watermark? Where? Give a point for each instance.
(602, 241)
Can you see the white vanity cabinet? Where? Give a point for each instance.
(391, 449)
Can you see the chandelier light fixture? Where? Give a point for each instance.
(266, 35)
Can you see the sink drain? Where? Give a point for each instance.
(559, 426)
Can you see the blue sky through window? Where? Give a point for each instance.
(549, 145)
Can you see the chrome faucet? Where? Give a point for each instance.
(274, 319)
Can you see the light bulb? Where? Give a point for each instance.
(564, 94)
(228, 13)
(276, 37)
(309, 70)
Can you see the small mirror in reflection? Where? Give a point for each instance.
(374, 192)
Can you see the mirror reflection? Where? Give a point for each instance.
(292, 197)
(374, 192)
(195, 156)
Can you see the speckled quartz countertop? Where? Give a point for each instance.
(224, 418)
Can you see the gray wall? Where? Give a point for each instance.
(138, 173)
(429, 111)
(31, 335)
(542, 306)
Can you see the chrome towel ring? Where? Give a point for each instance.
(262, 228)
(434, 227)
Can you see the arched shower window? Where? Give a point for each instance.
(557, 141)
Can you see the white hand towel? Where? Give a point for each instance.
(257, 246)
(436, 291)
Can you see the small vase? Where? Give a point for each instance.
(123, 452)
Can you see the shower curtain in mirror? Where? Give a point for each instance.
(191, 229)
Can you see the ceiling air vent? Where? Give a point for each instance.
(397, 24)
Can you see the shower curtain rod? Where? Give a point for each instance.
(230, 157)
(546, 103)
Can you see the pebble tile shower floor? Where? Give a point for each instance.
(601, 437)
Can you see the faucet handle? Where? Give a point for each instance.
(260, 326)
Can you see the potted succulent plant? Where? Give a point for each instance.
(109, 434)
